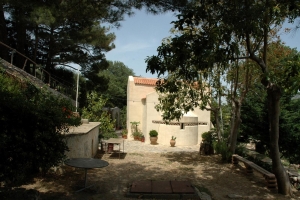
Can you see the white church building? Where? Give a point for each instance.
(141, 101)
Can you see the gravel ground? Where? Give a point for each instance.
(142, 161)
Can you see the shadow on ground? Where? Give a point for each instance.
(112, 182)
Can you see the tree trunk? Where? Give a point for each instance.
(283, 182)
(218, 126)
(235, 126)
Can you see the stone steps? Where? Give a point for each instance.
(24, 76)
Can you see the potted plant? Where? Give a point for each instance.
(124, 133)
(173, 141)
(136, 135)
(153, 136)
(142, 138)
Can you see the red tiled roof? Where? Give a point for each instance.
(145, 81)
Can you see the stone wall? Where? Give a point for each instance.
(83, 140)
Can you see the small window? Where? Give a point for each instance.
(181, 125)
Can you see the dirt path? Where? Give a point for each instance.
(112, 182)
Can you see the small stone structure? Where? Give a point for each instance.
(83, 140)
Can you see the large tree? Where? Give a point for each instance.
(117, 73)
(60, 32)
(250, 24)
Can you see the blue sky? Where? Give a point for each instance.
(141, 34)
(138, 37)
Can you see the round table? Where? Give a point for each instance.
(86, 163)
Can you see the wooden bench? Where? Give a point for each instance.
(269, 177)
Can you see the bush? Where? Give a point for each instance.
(209, 136)
(153, 133)
(108, 135)
(32, 122)
(94, 113)
(222, 148)
(137, 134)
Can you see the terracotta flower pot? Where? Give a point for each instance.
(172, 143)
(153, 140)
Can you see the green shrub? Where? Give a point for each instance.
(209, 136)
(124, 132)
(123, 116)
(241, 150)
(137, 134)
(153, 133)
(93, 111)
(32, 122)
(108, 135)
(135, 131)
(222, 148)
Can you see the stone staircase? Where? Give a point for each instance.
(24, 76)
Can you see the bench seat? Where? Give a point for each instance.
(250, 166)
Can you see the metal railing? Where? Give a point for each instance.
(39, 73)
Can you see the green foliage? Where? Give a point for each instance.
(32, 125)
(107, 135)
(215, 33)
(173, 138)
(209, 136)
(153, 133)
(221, 147)
(46, 33)
(123, 116)
(290, 131)
(117, 74)
(135, 131)
(254, 125)
(137, 134)
(124, 132)
(241, 149)
(134, 126)
(94, 113)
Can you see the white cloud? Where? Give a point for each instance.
(136, 46)
(133, 46)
